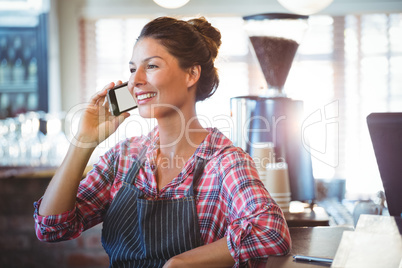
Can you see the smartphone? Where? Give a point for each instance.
(120, 100)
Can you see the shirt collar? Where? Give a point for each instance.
(152, 143)
(213, 142)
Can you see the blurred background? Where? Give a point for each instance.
(55, 54)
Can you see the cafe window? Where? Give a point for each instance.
(373, 83)
(346, 67)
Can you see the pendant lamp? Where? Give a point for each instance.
(305, 7)
(171, 4)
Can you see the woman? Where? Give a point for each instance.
(180, 196)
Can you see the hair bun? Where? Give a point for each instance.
(211, 34)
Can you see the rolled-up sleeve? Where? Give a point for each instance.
(257, 226)
(54, 228)
(92, 201)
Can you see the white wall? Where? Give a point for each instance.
(69, 13)
(54, 60)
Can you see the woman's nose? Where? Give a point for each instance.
(138, 78)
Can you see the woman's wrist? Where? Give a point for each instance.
(175, 262)
(84, 142)
(216, 254)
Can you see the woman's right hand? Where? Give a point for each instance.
(97, 123)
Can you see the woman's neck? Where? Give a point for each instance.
(180, 136)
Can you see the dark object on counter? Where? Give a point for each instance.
(386, 135)
(312, 259)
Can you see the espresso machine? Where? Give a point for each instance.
(272, 117)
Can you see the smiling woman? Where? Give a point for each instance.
(318, 77)
(182, 195)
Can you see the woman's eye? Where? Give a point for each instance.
(152, 66)
(132, 70)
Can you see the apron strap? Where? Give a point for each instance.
(135, 168)
(198, 170)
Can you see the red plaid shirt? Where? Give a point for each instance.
(231, 199)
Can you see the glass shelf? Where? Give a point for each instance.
(23, 67)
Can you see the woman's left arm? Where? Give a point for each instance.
(257, 226)
(216, 254)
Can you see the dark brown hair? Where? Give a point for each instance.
(193, 42)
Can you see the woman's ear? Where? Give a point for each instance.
(194, 75)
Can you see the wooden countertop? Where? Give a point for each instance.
(309, 241)
(40, 172)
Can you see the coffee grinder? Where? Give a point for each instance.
(272, 117)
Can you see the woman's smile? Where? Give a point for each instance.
(143, 97)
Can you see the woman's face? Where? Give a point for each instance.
(159, 85)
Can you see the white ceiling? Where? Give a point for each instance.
(94, 8)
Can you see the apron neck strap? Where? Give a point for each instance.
(132, 173)
(198, 170)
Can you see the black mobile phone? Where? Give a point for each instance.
(120, 100)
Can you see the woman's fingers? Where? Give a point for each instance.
(99, 98)
(105, 104)
(119, 119)
(101, 94)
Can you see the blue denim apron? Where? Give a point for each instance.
(146, 233)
